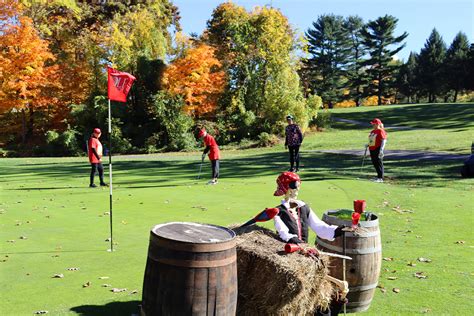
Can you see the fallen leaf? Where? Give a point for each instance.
(116, 290)
(103, 277)
(55, 256)
(11, 240)
(417, 236)
(41, 312)
(18, 224)
(106, 285)
(134, 292)
(425, 310)
(460, 242)
(58, 276)
(392, 278)
(23, 237)
(411, 264)
(421, 259)
(388, 258)
(72, 269)
(87, 284)
(420, 275)
(394, 271)
(124, 222)
(108, 239)
(106, 213)
(396, 290)
(383, 290)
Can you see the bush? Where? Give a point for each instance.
(267, 140)
(322, 120)
(60, 144)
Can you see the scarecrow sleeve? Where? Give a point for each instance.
(282, 229)
(322, 229)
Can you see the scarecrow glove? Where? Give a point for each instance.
(338, 232)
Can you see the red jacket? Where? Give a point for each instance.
(211, 143)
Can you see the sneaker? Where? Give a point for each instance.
(211, 182)
(379, 180)
(291, 170)
(103, 184)
(92, 186)
(297, 170)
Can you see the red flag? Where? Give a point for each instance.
(118, 84)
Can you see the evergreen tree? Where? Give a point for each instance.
(355, 72)
(328, 43)
(470, 77)
(431, 61)
(378, 37)
(457, 64)
(407, 79)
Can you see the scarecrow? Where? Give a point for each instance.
(292, 222)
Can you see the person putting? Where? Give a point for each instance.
(377, 141)
(214, 154)
(95, 157)
(293, 140)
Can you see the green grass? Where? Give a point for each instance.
(47, 200)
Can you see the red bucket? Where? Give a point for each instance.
(359, 206)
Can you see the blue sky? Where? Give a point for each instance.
(417, 17)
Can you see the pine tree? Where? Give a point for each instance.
(407, 79)
(431, 61)
(328, 43)
(378, 37)
(457, 64)
(355, 71)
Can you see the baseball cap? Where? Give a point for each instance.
(97, 130)
(202, 132)
(376, 121)
(289, 117)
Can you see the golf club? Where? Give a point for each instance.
(200, 168)
(363, 159)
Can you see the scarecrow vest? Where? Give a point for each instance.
(293, 224)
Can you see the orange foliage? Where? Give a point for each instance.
(198, 77)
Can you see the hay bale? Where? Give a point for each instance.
(272, 282)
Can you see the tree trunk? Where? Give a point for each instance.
(23, 126)
(455, 98)
(330, 105)
(29, 127)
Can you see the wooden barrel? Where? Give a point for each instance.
(191, 270)
(365, 249)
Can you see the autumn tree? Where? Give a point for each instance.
(257, 50)
(27, 75)
(196, 76)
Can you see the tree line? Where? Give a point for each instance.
(351, 61)
(238, 78)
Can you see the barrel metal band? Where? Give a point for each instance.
(190, 247)
(363, 287)
(337, 249)
(196, 264)
(364, 235)
(360, 303)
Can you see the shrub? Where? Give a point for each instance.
(60, 144)
(322, 120)
(266, 140)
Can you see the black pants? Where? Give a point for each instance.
(94, 168)
(215, 168)
(377, 162)
(294, 156)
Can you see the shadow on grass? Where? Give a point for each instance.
(432, 116)
(113, 308)
(315, 166)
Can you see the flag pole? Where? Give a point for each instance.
(110, 178)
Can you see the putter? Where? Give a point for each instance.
(200, 168)
(363, 159)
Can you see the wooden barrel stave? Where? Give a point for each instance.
(362, 272)
(190, 279)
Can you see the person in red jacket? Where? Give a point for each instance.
(94, 148)
(377, 141)
(214, 155)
